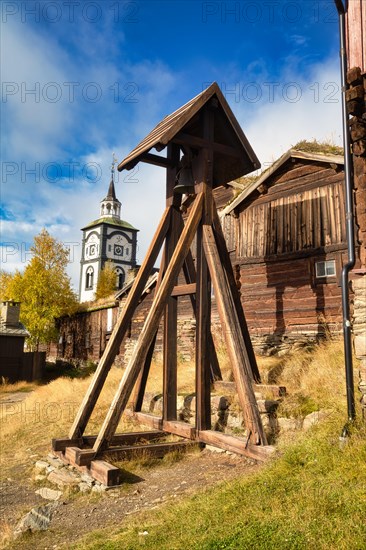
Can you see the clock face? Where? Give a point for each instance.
(118, 250)
(92, 251)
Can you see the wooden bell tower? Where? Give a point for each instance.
(204, 140)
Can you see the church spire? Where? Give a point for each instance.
(110, 205)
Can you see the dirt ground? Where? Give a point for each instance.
(147, 488)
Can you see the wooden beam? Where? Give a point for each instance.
(146, 419)
(170, 337)
(203, 326)
(178, 427)
(184, 290)
(120, 329)
(201, 143)
(156, 160)
(128, 438)
(140, 386)
(223, 252)
(170, 340)
(236, 445)
(190, 276)
(175, 427)
(150, 327)
(105, 473)
(234, 338)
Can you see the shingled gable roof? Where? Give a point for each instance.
(186, 119)
(291, 153)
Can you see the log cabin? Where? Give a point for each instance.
(286, 234)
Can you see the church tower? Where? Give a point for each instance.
(107, 239)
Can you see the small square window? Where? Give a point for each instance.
(325, 269)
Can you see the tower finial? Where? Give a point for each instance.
(114, 161)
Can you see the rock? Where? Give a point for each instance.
(63, 477)
(54, 461)
(360, 345)
(38, 519)
(41, 466)
(314, 418)
(287, 424)
(87, 479)
(235, 420)
(49, 494)
(214, 449)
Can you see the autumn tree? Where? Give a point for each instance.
(106, 282)
(43, 288)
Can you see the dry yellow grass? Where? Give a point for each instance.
(27, 427)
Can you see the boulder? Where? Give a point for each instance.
(38, 519)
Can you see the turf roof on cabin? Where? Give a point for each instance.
(110, 221)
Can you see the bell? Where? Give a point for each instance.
(184, 179)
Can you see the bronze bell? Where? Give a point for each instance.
(184, 179)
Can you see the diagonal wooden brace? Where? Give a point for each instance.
(150, 327)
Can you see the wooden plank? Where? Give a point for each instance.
(149, 329)
(226, 262)
(203, 323)
(236, 445)
(175, 427)
(105, 473)
(81, 457)
(120, 329)
(223, 441)
(190, 276)
(184, 290)
(146, 419)
(156, 160)
(60, 444)
(118, 439)
(140, 386)
(170, 338)
(234, 338)
(178, 427)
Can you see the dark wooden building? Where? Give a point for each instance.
(286, 233)
(15, 364)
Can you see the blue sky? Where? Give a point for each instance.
(81, 79)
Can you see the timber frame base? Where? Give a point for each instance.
(199, 236)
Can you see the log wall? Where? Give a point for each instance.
(281, 234)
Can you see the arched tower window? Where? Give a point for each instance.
(89, 278)
(120, 277)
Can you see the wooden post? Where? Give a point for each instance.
(234, 338)
(120, 329)
(223, 252)
(190, 276)
(149, 329)
(170, 343)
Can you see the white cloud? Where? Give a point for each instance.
(301, 108)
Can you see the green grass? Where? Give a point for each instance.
(312, 497)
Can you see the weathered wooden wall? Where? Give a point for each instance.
(356, 34)
(280, 234)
